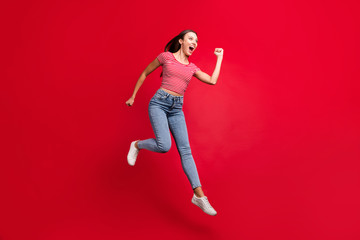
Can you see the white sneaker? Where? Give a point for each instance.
(204, 204)
(132, 155)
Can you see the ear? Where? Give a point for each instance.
(181, 41)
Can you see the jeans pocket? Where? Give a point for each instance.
(179, 104)
(159, 96)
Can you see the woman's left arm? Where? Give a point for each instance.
(204, 77)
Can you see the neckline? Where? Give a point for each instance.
(178, 61)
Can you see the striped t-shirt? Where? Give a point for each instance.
(176, 75)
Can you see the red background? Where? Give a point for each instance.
(276, 141)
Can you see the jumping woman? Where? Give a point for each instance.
(165, 107)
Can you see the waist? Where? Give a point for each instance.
(171, 92)
(161, 93)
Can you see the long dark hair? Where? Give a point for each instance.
(173, 45)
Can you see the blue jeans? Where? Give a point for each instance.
(165, 112)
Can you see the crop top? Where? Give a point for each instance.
(176, 75)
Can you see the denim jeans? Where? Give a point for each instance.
(165, 112)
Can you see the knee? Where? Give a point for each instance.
(164, 148)
(185, 151)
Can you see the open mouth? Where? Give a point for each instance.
(191, 48)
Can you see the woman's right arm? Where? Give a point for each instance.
(149, 69)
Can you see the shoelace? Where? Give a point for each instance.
(207, 204)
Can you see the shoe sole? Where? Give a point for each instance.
(193, 201)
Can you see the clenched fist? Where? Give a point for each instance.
(219, 52)
(130, 102)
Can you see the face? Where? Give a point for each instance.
(189, 44)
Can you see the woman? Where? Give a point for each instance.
(165, 107)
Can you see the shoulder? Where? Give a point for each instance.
(163, 57)
(165, 54)
(194, 67)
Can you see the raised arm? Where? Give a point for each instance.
(204, 77)
(149, 69)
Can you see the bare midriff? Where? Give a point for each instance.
(171, 92)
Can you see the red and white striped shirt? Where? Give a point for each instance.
(176, 75)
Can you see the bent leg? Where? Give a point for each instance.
(179, 130)
(159, 123)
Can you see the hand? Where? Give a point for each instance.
(130, 102)
(219, 52)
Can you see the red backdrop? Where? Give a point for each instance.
(276, 141)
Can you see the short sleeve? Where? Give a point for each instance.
(161, 57)
(195, 69)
